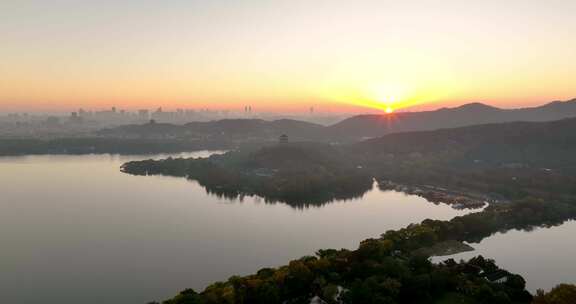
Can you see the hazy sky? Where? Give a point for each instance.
(57, 54)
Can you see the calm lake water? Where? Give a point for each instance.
(74, 229)
(545, 257)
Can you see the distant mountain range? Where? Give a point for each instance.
(245, 130)
(465, 115)
(351, 129)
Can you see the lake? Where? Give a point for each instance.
(74, 229)
(545, 257)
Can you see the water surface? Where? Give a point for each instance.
(545, 257)
(74, 229)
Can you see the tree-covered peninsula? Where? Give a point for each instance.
(395, 268)
(299, 174)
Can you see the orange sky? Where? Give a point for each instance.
(284, 55)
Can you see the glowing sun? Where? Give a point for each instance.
(388, 110)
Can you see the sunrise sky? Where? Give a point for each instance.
(284, 55)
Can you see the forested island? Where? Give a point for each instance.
(529, 171)
(299, 174)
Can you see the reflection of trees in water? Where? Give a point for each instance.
(353, 187)
(298, 186)
(319, 200)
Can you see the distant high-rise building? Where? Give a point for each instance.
(143, 114)
(75, 118)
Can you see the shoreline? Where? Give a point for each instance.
(456, 199)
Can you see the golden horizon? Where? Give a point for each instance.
(284, 56)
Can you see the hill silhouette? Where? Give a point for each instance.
(465, 115)
(228, 129)
(543, 144)
(352, 129)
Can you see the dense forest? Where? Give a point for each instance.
(299, 174)
(509, 161)
(549, 145)
(366, 276)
